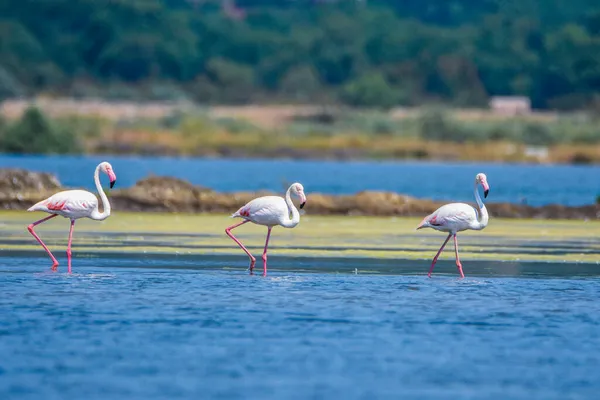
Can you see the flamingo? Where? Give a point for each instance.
(74, 204)
(457, 217)
(269, 211)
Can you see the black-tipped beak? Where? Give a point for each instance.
(112, 183)
(485, 193)
(302, 205)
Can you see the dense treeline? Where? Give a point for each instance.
(364, 53)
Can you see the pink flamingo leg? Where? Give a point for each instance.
(69, 245)
(228, 232)
(458, 264)
(30, 229)
(437, 255)
(264, 256)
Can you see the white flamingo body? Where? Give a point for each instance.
(74, 204)
(454, 218)
(457, 217)
(269, 211)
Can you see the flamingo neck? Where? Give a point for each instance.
(483, 217)
(97, 215)
(293, 216)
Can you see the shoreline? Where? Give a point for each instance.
(19, 189)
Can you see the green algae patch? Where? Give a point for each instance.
(316, 236)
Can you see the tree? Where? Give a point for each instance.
(423, 51)
(300, 83)
(371, 90)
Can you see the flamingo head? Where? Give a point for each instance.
(298, 190)
(482, 180)
(108, 170)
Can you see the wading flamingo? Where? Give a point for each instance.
(74, 204)
(269, 211)
(456, 217)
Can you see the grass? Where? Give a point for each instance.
(317, 132)
(316, 236)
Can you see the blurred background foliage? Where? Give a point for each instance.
(369, 53)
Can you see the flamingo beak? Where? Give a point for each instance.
(302, 200)
(486, 189)
(112, 177)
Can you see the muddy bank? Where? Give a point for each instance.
(165, 194)
(19, 189)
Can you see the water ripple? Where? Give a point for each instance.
(125, 332)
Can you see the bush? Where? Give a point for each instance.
(86, 127)
(435, 125)
(372, 123)
(537, 135)
(35, 134)
(236, 125)
(370, 90)
(235, 81)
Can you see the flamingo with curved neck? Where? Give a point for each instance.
(74, 204)
(457, 217)
(269, 211)
(96, 214)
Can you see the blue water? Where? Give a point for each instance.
(447, 181)
(164, 330)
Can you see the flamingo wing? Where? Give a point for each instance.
(450, 217)
(69, 203)
(455, 215)
(267, 210)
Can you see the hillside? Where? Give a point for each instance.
(376, 53)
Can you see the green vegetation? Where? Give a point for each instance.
(432, 133)
(502, 240)
(34, 133)
(378, 53)
(578, 129)
(329, 132)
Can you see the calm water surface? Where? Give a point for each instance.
(514, 183)
(114, 332)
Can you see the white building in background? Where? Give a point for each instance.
(510, 105)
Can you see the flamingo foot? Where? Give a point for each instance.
(54, 266)
(431, 269)
(251, 268)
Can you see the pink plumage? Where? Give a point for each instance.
(457, 217)
(269, 211)
(71, 204)
(74, 204)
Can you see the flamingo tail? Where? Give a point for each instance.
(425, 223)
(39, 206)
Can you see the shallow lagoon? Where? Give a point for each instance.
(167, 310)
